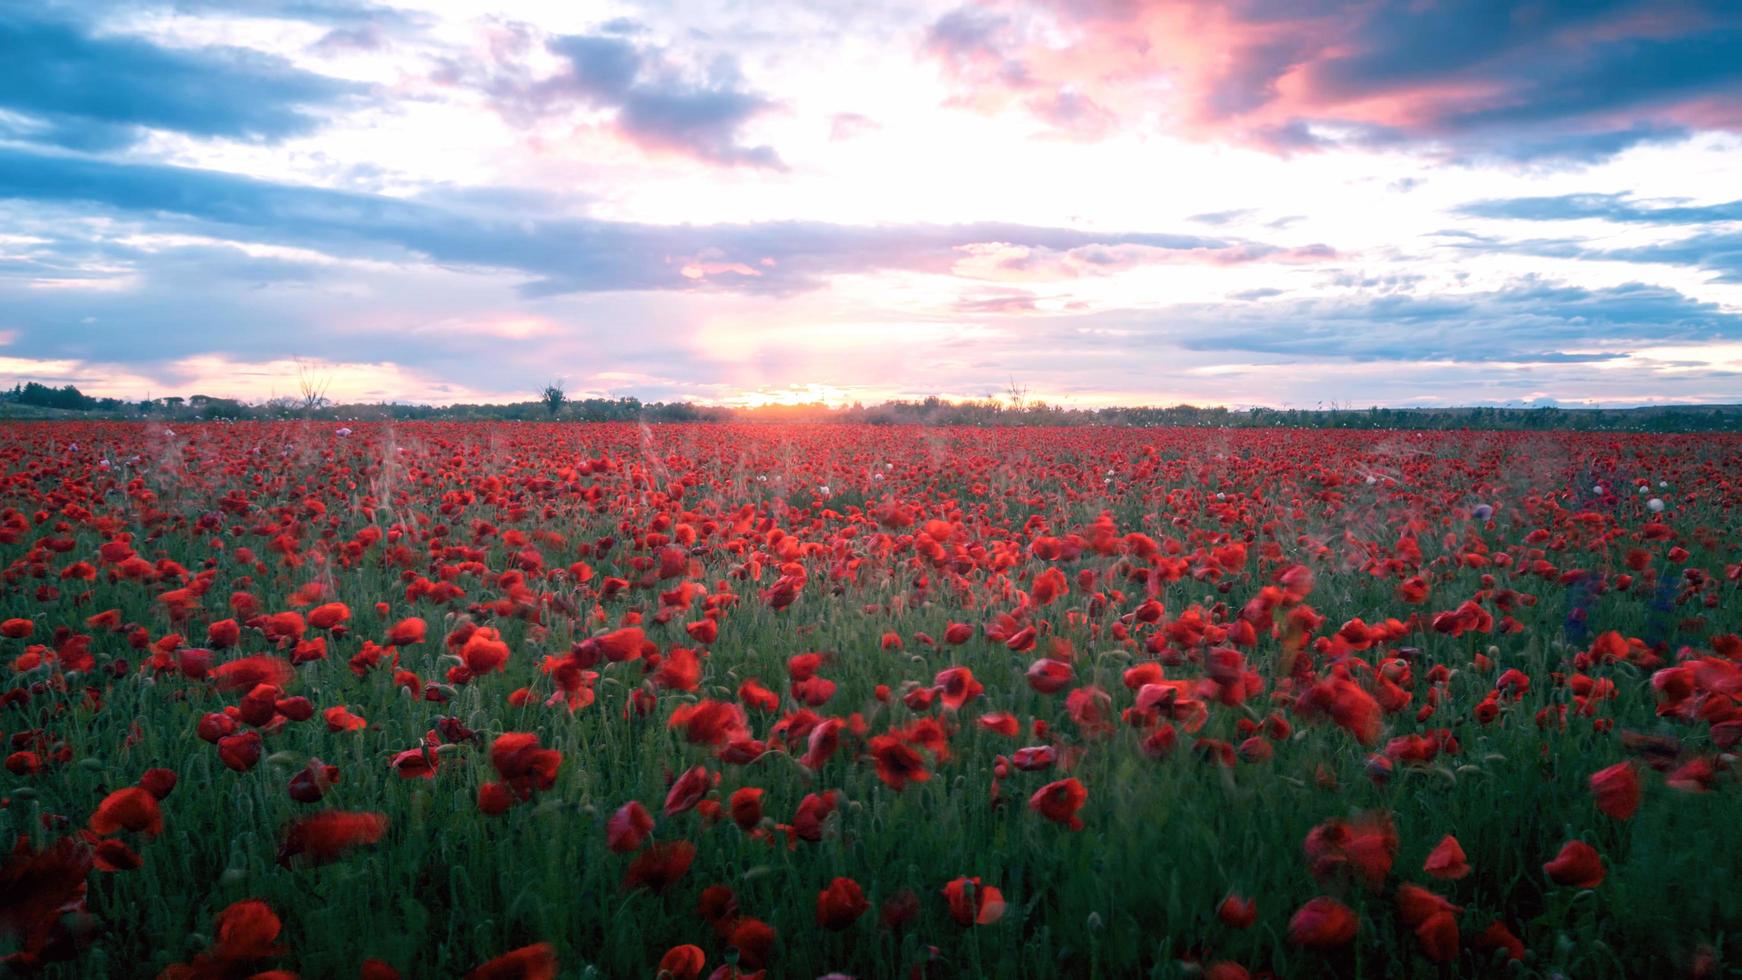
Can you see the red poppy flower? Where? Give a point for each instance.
(661, 865)
(746, 807)
(223, 634)
(754, 940)
(133, 809)
(246, 930)
(710, 722)
(688, 790)
(115, 855)
(325, 837)
(1050, 676)
(1323, 923)
(522, 764)
(246, 673)
(340, 719)
(958, 687)
(1617, 790)
(1416, 904)
(1059, 802)
(1237, 911)
(1447, 860)
(484, 651)
(495, 799)
(1578, 864)
(683, 962)
(1497, 936)
(841, 904)
(897, 763)
(813, 811)
(312, 783)
(240, 752)
(328, 616)
(972, 903)
(1438, 935)
(628, 827)
(535, 962)
(1363, 848)
(407, 632)
(158, 782)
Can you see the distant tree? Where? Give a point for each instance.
(553, 396)
(311, 388)
(39, 394)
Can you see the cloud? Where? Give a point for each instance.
(851, 125)
(1719, 252)
(1606, 207)
(222, 376)
(62, 84)
(1532, 321)
(654, 102)
(999, 302)
(1552, 79)
(329, 12)
(585, 255)
(1715, 248)
(1220, 218)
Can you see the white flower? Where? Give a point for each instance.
(1655, 505)
(343, 431)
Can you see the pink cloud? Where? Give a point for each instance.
(1290, 74)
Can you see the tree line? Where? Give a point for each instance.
(553, 404)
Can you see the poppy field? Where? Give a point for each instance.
(616, 700)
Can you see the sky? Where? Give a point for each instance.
(1140, 202)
